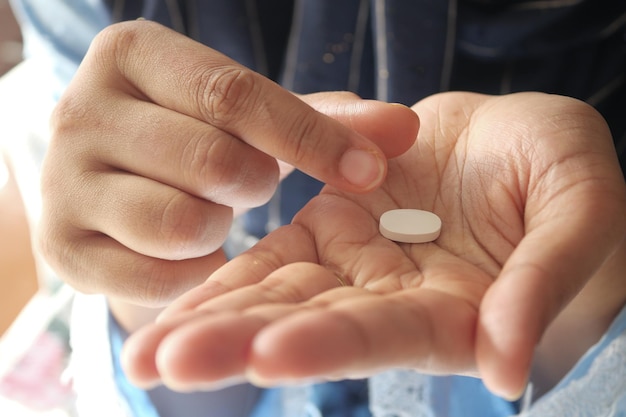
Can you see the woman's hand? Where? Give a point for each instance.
(158, 139)
(532, 202)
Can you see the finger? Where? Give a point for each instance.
(208, 351)
(359, 335)
(182, 152)
(99, 264)
(287, 245)
(295, 243)
(293, 283)
(535, 285)
(342, 332)
(359, 242)
(138, 354)
(150, 218)
(347, 333)
(153, 221)
(392, 127)
(531, 290)
(176, 353)
(218, 91)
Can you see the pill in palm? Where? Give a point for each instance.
(410, 225)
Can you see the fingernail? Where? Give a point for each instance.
(147, 385)
(512, 395)
(362, 168)
(256, 380)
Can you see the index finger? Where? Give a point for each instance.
(185, 76)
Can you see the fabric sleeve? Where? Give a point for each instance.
(595, 386)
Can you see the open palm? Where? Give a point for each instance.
(531, 200)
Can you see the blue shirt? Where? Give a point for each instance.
(392, 50)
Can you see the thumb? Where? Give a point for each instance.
(549, 267)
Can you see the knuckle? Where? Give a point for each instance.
(302, 136)
(221, 170)
(115, 43)
(66, 117)
(174, 228)
(205, 162)
(224, 93)
(54, 244)
(186, 228)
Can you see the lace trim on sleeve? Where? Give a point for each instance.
(601, 392)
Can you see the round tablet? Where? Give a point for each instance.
(410, 225)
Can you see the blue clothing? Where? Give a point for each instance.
(392, 50)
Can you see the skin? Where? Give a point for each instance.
(141, 184)
(532, 247)
(140, 187)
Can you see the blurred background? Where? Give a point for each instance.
(17, 274)
(10, 39)
(18, 279)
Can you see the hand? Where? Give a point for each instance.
(532, 202)
(158, 138)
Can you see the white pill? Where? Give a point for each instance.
(410, 225)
